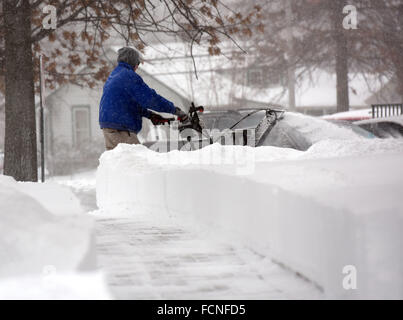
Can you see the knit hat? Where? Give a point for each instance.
(130, 56)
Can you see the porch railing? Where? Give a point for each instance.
(387, 110)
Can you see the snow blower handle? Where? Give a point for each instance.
(192, 121)
(193, 109)
(192, 115)
(169, 120)
(163, 121)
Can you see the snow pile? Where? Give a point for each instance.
(346, 148)
(315, 129)
(315, 212)
(263, 154)
(329, 148)
(42, 227)
(68, 286)
(84, 181)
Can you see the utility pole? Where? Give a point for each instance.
(290, 57)
(42, 118)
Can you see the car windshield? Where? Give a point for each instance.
(251, 119)
(220, 120)
(229, 119)
(282, 135)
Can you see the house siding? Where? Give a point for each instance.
(61, 104)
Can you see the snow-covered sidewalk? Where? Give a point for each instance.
(146, 257)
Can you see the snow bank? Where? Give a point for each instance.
(42, 226)
(315, 212)
(67, 286)
(316, 129)
(54, 198)
(330, 148)
(84, 181)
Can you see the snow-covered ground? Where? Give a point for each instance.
(47, 244)
(313, 212)
(83, 186)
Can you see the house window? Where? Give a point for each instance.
(255, 77)
(81, 125)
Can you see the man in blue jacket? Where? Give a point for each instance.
(126, 99)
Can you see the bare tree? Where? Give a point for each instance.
(320, 41)
(383, 41)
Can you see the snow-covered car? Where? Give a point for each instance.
(269, 127)
(288, 130)
(390, 127)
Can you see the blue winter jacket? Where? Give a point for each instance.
(126, 98)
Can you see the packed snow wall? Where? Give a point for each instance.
(312, 212)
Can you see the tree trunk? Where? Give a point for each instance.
(343, 101)
(20, 159)
(290, 57)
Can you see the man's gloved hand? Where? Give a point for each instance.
(182, 116)
(156, 119)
